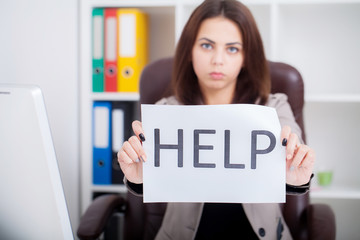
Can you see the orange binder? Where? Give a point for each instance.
(132, 48)
(110, 50)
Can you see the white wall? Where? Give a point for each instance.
(38, 45)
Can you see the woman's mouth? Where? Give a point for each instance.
(216, 75)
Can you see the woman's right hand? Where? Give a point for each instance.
(132, 154)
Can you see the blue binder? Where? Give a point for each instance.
(102, 151)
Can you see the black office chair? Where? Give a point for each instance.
(143, 220)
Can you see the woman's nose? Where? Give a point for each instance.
(218, 57)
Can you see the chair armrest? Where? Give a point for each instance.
(94, 220)
(321, 222)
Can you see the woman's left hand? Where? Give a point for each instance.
(300, 158)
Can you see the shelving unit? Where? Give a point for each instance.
(161, 44)
(323, 46)
(318, 37)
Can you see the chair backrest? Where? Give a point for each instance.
(155, 84)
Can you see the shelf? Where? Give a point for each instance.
(325, 62)
(133, 3)
(335, 192)
(312, 2)
(115, 96)
(270, 2)
(334, 98)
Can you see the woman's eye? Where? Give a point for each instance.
(206, 46)
(233, 49)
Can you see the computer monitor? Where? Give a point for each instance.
(32, 202)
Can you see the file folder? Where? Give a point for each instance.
(122, 116)
(98, 50)
(110, 50)
(102, 153)
(132, 48)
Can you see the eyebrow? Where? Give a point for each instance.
(211, 41)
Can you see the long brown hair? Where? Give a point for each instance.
(254, 79)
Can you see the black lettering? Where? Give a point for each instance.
(227, 163)
(158, 146)
(255, 151)
(198, 147)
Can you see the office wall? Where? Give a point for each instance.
(38, 45)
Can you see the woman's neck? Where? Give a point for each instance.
(216, 98)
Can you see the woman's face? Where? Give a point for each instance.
(217, 57)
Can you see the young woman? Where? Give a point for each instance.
(220, 60)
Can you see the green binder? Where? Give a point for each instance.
(98, 50)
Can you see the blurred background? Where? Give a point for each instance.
(48, 43)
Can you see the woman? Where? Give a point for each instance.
(220, 60)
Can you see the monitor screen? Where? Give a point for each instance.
(32, 202)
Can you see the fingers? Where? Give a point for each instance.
(300, 156)
(138, 148)
(292, 146)
(132, 154)
(309, 160)
(129, 162)
(137, 128)
(301, 166)
(285, 133)
(123, 157)
(296, 154)
(290, 140)
(132, 151)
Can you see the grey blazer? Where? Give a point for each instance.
(181, 220)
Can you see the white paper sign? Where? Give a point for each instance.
(213, 153)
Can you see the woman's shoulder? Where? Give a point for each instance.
(168, 101)
(279, 101)
(275, 99)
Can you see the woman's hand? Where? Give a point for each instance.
(132, 155)
(300, 158)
